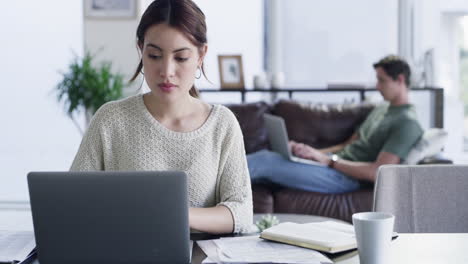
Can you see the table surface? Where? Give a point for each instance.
(407, 248)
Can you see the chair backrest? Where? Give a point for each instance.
(424, 198)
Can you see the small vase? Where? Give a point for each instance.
(277, 81)
(260, 81)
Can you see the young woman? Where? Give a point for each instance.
(169, 128)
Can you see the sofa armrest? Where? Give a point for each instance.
(436, 159)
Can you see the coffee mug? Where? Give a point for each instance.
(277, 80)
(260, 81)
(373, 235)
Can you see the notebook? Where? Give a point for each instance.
(278, 137)
(327, 236)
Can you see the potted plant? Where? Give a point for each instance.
(85, 87)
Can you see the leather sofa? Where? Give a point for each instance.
(318, 125)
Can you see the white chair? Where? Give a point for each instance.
(424, 198)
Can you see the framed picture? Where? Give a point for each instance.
(231, 73)
(110, 8)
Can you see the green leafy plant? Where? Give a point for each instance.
(85, 87)
(267, 221)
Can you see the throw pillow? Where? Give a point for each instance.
(431, 143)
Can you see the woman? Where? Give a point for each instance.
(169, 128)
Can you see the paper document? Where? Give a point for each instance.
(16, 245)
(211, 251)
(253, 249)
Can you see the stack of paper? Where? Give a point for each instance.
(16, 245)
(253, 249)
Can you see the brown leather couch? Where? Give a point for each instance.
(318, 125)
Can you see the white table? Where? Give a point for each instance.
(425, 248)
(407, 248)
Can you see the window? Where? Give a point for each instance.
(464, 77)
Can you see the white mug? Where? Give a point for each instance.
(277, 80)
(373, 235)
(260, 81)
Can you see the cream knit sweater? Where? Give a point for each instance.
(124, 136)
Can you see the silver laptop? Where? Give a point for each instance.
(278, 137)
(110, 217)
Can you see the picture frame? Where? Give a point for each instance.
(110, 9)
(231, 74)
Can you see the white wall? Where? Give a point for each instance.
(448, 62)
(37, 41)
(437, 27)
(114, 40)
(336, 41)
(36, 134)
(234, 27)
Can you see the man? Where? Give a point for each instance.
(385, 137)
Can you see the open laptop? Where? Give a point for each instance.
(110, 217)
(278, 137)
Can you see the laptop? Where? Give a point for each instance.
(278, 137)
(110, 217)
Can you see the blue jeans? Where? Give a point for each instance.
(271, 166)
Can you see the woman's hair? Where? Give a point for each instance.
(183, 15)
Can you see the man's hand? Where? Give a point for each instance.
(307, 152)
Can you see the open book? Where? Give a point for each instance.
(327, 236)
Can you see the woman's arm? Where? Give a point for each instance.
(215, 220)
(234, 192)
(90, 155)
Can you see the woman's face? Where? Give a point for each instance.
(170, 61)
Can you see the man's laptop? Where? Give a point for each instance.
(110, 217)
(278, 137)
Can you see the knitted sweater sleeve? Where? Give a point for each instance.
(234, 186)
(90, 153)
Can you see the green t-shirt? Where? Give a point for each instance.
(392, 129)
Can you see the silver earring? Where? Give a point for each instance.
(199, 76)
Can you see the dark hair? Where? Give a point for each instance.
(183, 15)
(394, 66)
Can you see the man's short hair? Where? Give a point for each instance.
(394, 66)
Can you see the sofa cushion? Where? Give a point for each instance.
(321, 125)
(341, 206)
(262, 196)
(431, 143)
(250, 117)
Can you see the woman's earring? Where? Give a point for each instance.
(199, 76)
